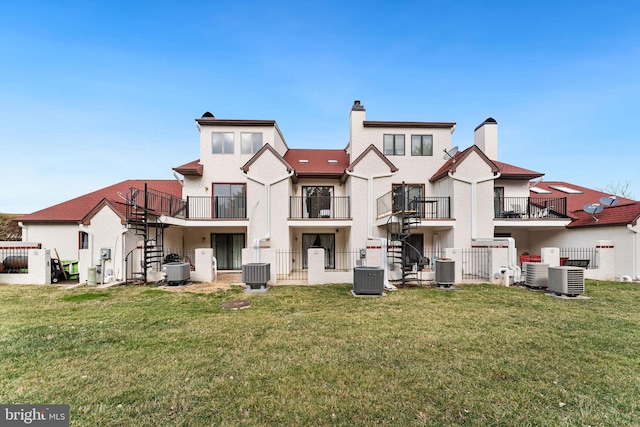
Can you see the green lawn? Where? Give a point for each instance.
(484, 355)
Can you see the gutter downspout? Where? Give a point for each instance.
(634, 270)
(267, 196)
(512, 264)
(24, 231)
(370, 236)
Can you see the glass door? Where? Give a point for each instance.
(227, 248)
(326, 241)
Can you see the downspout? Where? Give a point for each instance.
(90, 233)
(511, 260)
(24, 231)
(370, 236)
(118, 275)
(267, 196)
(634, 269)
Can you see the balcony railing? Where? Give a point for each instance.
(312, 207)
(155, 202)
(218, 207)
(427, 207)
(530, 207)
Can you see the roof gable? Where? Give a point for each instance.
(264, 149)
(369, 149)
(452, 164)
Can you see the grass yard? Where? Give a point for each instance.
(482, 356)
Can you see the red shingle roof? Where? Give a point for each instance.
(626, 211)
(81, 208)
(318, 162)
(575, 202)
(191, 168)
(613, 215)
(508, 171)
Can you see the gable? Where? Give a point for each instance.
(474, 158)
(373, 161)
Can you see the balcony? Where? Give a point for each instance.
(315, 207)
(530, 207)
(427, 207)
(205, 207)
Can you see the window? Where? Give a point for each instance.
(251, 142)
(229, 200)
(222, 143)
(422, 145)
(83, 240)
(393, 145)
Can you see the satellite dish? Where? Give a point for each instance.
(450, 154)
(609, 200)
(592, 208)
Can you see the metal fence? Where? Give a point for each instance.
(289, 266)
(530, 207)
(14, 260)
(476, 264)
(427, 207)
(205, 207)
(319, 207)
(589, 254)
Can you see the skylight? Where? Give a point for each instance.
(303, 161)
(332, 161)
(539, 190)
(565, 189)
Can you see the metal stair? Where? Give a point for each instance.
(142, 220)
(401, 253)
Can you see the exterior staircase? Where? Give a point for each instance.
(142, 220)
(400, 253)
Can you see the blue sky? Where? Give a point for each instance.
(93, 93)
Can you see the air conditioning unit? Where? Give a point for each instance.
(368, 281)
(445, 272)
(176, 273)
(536, 275)
(566, 280)
(256, 275)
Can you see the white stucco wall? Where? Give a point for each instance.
(588, 237)
(225, 168)
(60, 236)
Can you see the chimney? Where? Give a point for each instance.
(356, 129)
(357, 106)
(485, 137)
